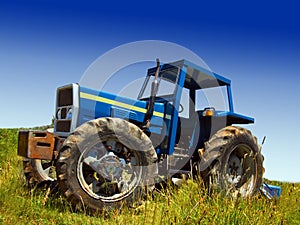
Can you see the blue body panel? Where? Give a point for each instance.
(95, 104)
(240, 119)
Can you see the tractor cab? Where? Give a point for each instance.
(197, 103)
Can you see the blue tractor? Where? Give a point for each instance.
(107, 149)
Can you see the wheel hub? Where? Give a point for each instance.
(104, 171)
(234, 170)
(110, 166)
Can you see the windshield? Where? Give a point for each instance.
(167, 83)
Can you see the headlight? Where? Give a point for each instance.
(58, 114)
(69, 114)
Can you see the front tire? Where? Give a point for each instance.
(38, 171)
(106, 162)
(232, 162)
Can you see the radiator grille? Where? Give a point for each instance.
(64, 109)
(65, 97)
(63, 125)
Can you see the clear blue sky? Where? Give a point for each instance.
(45, 44)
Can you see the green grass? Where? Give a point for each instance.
(188, 204)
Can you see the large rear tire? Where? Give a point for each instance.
(232, 162)
(104, 163)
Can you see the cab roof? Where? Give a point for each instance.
(197, 77)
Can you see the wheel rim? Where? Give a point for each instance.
(45, 169)
(108, 171)
(241, 171)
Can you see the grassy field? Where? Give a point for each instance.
(188, 204)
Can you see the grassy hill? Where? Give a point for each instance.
(188, 204)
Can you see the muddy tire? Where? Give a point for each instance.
(232, 163)
(38, 171)
(105, 163)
